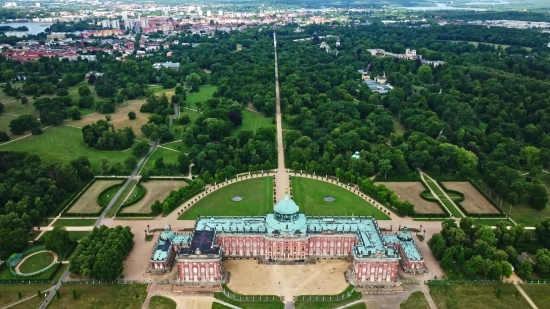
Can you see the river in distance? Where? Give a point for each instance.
(34, 28)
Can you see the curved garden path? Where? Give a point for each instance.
(55, 259)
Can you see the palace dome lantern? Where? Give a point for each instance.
(286, 210)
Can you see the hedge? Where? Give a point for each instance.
(68, 200)
(459, 205)
(397, 178)
(134, 199)
(445, 213)
(98, 198)
(75, 198)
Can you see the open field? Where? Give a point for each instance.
(504, 46)
(417, 300)
(448, 203)
(159, 302)
(10, 291)
(169, 156)
(323, 278)
(309, 195)
(106, 196)
(119, 118)
(36, 262)
(253, 121)
(399, 128)
(63, 144)
(155, 190)
(127, 296)
(538, 294)
(331, 305)
(410, 191)
(87, 203)
(476, 296)
(474, 202)
(257, 197)
(205, 92)
(74, 222)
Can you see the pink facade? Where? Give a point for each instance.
(203, 270)
(375, 271)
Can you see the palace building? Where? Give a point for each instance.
(287, 237)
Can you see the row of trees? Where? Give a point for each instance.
(101, 254)
(101, 135)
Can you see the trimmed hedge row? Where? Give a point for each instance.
(99, 199)
(136, 198)
(68, 200)
(71, 202)
(407, 178)
(459, 205)
(445, 213)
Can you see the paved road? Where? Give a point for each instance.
(48, 299)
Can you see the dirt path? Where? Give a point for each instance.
(55, 258)
(527, 298)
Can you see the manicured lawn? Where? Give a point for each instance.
(36, 262)
(539, 294)
(309, 194)
(476, 296)
(159, 302)
(31, 303)
(6, 274)
(450, 206)
(169, 156)
(10, 292)
(257, 197)
(107, 195)
(490, 222)
(253, 121)
(74, 222)
(417, 300)
(96, 296)
(78, 235)
(245, 305)
(205, 93)
(331, 305)
(112, 211)
(63, 144)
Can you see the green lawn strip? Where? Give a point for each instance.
(10, 292)
(31, 303)
(60, 272)
(159, 302)
(490, 222)
(329, 305)
(476, 296)
(36, 262)
(78, 235)
(539, 294)
(74, 222)
(63, 144)
(449, 204)
(169, 156)
(112, 211)
(252, 121)
(417, 300)
(93, 296)
(309, 194)
(205, 93)
(257, 197)
(107, 195)
(6, 275)
(246, 305)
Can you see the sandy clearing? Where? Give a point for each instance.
(474, 202)
(88, 201)
(410, 191)
(249, 277)
(155, 190)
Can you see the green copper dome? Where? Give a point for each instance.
(286, 206)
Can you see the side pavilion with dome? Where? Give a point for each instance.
(287, 237)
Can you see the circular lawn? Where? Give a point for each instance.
(36, 262)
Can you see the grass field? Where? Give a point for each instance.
(246, 305)
(410, 191)
(476, 296)
(449, 204)
(78, 235)
(127, 296)
(36, 262)
(257, 197)
(159, 302)
(87, 203)
(155, 190)
(10, 292)
(63, 144)
(74, 222)
(331, 305)
(169, 156)
(112, 211)
(399, 128)
(253, 121)
(417, 300)
(309, 194)
(107, 195)
(539, 294)
(474, 202)
(205, 92)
